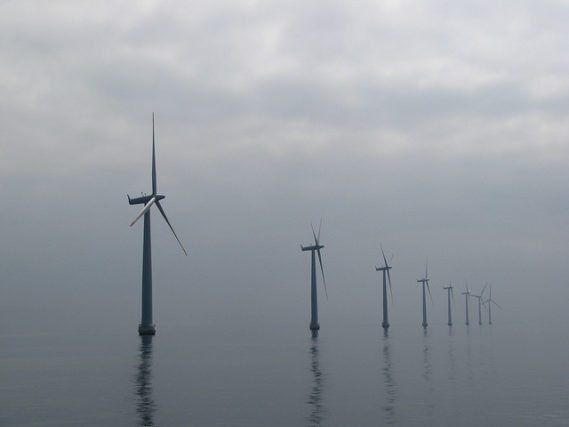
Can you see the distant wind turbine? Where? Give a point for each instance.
(490, 301)
(386, 276)
(480, 304)
(315, 249)
(467, 294)
(450, 294)
(146, 326)
(425, 282)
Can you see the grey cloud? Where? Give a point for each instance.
(379, 118)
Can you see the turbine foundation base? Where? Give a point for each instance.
(146, 329)
(384, 325)
(425, 325)
(314, 327)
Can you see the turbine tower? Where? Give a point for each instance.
(146, 326)
(315, 249)
(466, 294)
(490, 301)
(425, 282)
(480, 305)
(386, 276)
(450, 294)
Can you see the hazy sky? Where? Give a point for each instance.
(439, 128)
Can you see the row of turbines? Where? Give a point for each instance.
(385, 269)
(147, 326)
(450, 297)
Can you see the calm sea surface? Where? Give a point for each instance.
(499, 375)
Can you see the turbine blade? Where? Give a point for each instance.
(153, 160)
(389, 281)
(322, 270)
(427, 269)
(170, 225)
(143, 211)
(319, 228)
(314, 234)
(483, 289)
(383, 254)
(429, 289)
(495, 303)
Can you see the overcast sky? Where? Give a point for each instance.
(438, 128)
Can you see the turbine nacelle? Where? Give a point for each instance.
(311, 248)
(425, 282)
(144, 199)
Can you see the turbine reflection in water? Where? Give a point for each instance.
(426, 361)
(145, 406)
(469, 357)
(390, 385)
(451, 356)
(315, 397)
(427, 375)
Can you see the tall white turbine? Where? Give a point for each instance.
(450, 294)
(386, 277)
(490, 301)
(467, 295)
(479, 297)
(147, 326)
(425, 282)
(315, 249)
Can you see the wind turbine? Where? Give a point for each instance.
(146, 326)
(490, 301)
(315, 249)
(386, 276)
(425, 282)
(450, 294)
(467, 294)
(480, 304)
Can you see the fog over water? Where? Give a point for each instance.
(439, 130)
